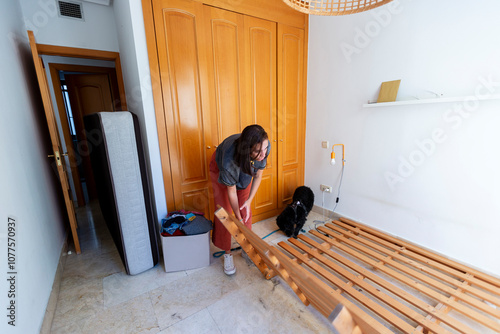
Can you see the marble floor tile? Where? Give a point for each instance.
(121, 287)
(199, 323)
(246, 272)
(185, 297)
(266, 307)
(93, 265)
(107, 244)
(78, 299)
(133, 316)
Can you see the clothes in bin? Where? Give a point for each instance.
(185, 238)
(188, 223)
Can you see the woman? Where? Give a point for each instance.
(236, 161)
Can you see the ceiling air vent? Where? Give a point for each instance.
(71, 10)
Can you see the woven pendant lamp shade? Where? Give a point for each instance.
(334, 7)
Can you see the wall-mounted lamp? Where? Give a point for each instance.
(333, 154)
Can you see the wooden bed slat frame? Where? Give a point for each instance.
(332, 269)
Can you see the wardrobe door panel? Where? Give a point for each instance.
(187, 108)
(260, 101)
(290, 180)
(226, 54)
(179, 28)
(291, 116)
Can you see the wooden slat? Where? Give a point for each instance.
(256, 249)
(388, 286)
(479, 317)
(263, 251)
(438, 258)
(349, 289)
(423, 268)
(245, 245)
(466, 276)
(343, 321)
(388, 260)
(321, 291)
(440, 306)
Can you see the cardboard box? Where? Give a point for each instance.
(186, 252)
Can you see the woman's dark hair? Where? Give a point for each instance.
(251, 136)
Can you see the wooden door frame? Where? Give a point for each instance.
(56, 84)
(64, 51)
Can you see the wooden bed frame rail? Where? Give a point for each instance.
(365, 281)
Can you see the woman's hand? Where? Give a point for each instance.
(233, 200)
(244, 210)
(253, 190)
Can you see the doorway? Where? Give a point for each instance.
(82, 90)
(58, 155)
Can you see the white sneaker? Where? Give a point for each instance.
(229, 268)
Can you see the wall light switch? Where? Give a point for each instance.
(325, 144)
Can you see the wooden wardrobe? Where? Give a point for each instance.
(216, 67)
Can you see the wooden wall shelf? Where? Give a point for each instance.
(427, 101)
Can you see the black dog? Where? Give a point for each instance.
(294, 215)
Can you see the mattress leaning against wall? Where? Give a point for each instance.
(123, 189)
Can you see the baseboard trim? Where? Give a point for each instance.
(54, 294)
(326, 213)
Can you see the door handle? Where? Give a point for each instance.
(57, 156)
(51, 155)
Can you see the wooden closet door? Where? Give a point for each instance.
(227, 59)
(243, 50)
(259, 99)
(182, 59)
(291, 115)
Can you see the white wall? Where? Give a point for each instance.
(97, 31)
(28, 188)
(136, 75)
(427, 173)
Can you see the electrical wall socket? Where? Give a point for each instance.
(325, 188)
